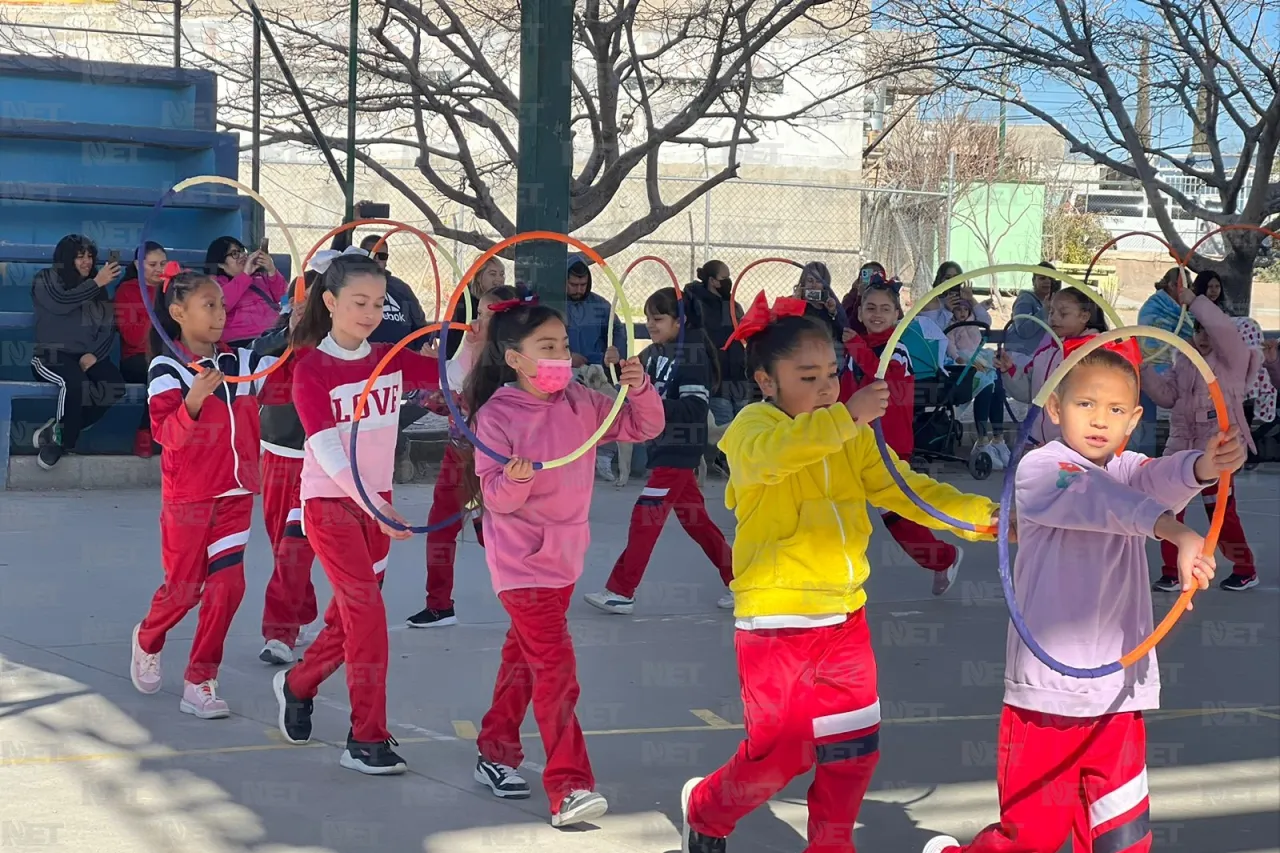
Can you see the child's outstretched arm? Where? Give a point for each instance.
(1241, 360)
(764, 449)
(642, 416)
(1017, 374)
(420, 370)
(883, 492)
(499, 489)
(1056, 492)
(1172, 480)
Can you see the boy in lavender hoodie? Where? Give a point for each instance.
(525, 405)
(1073, 751)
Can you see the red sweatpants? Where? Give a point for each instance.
(810, 699)
(353, 551)
(668, 489)
(291, 599)
(1060, 776)
(538, 665)
(447, 499)
(920, 543)
(202, 549)
(1232, 543)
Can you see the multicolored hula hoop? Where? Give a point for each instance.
(1006, 503)
(887, 358)
(299, 290)
(675, 283)
(733, 290)
(1182, 274)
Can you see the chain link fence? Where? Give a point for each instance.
(737, 222)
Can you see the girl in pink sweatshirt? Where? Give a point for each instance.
(524, 405)
(1072, 751)
(1193, 420)
(1071, 315)
(252, 287)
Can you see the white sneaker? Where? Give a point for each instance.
(942, 581)
(939, 843)
(307, 633)
(726, 601)
(604, 469)
(275, 653)
(610, 602)
(580, 806)
(201, 700)
(144, 669)
(1002, 449)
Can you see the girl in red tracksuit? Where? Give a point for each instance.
(684, 374)
(332, 363)
(879, 311)
(208, 428)
(452, 491)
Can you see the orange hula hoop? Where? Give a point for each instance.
(431, 254)
(733, 291)
(391, 354)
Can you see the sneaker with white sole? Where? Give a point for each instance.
(46, 434)
(275, 653)
(1238, 583)
(943, 580)
(428, 618)
(307, 634)
(726, 601)
(372, 759)
(1002, 450)
(940, 844)
(604, 469)
(1167, 584)
(610, 602)
(503, 780)
(692, 841)
(580, 806)
(201, 700)
(294, 716)
(144, 669)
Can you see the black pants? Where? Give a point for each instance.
(84, 395)
(134, 370)
(410, 414)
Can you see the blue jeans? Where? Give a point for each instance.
(1144, 437)
(988, 409)
(723, 409)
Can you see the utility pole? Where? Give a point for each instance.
(351, 112)
(546, 149)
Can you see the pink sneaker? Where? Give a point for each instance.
(201, 700)
(144, 670)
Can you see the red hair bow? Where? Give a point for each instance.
(172, 270)
(508, 304)
(759, 316)
(1127, 349)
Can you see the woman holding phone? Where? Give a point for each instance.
(252, 289)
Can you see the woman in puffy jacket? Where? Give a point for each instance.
(252, 289)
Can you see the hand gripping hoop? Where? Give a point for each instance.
(1006, 503)
(887, 357)
(169, 342)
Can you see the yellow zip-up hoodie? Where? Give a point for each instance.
(799, 489)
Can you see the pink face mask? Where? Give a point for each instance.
(553, 374)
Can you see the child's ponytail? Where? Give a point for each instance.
(317, 321)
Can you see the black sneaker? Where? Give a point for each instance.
(504, 781)
(49, 456)
(1167, 584)
(1238, 583)
(692, 841)
(579, 807)
(372, 759)
(428, 618)
(295, 713)
(46, 434)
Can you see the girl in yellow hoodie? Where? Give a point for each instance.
(804, 467)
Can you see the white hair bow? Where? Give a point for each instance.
(321, 260)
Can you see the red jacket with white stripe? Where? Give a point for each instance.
(214, 454)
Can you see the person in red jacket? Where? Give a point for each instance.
(135, 329)
(879, 311)
(209, 430)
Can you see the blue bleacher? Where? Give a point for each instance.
(88, 148)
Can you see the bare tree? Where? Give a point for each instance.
(1210, 71)
(652, 81)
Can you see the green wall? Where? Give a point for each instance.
(998, 224)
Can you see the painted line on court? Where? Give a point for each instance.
(712, 719)
(465, 729)
(159, 752)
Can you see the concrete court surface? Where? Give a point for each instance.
(87, 763)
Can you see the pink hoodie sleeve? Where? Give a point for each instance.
(499, 492)
(276, 285)
(1054, 491)
(234, 288)
(1162, 388)
(1172, 479)
(1228, 345)
(642, 416)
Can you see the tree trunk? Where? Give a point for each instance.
(1236, 273)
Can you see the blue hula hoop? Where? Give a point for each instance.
(377, 513)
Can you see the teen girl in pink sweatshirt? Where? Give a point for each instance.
(525, 405)
(1073, 750)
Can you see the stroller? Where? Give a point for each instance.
(938, 430)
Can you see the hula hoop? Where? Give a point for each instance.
(355, 460)
(680, 315)
(1032, 318)
(299, 287)
(459, 420)
(431, 255)
(733, 291)
(1006, 504)
(886, 359)
(1182, 273)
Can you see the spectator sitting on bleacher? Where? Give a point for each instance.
(74, 338)
(252, 289)
(134, 325)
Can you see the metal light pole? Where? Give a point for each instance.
(351, 110)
